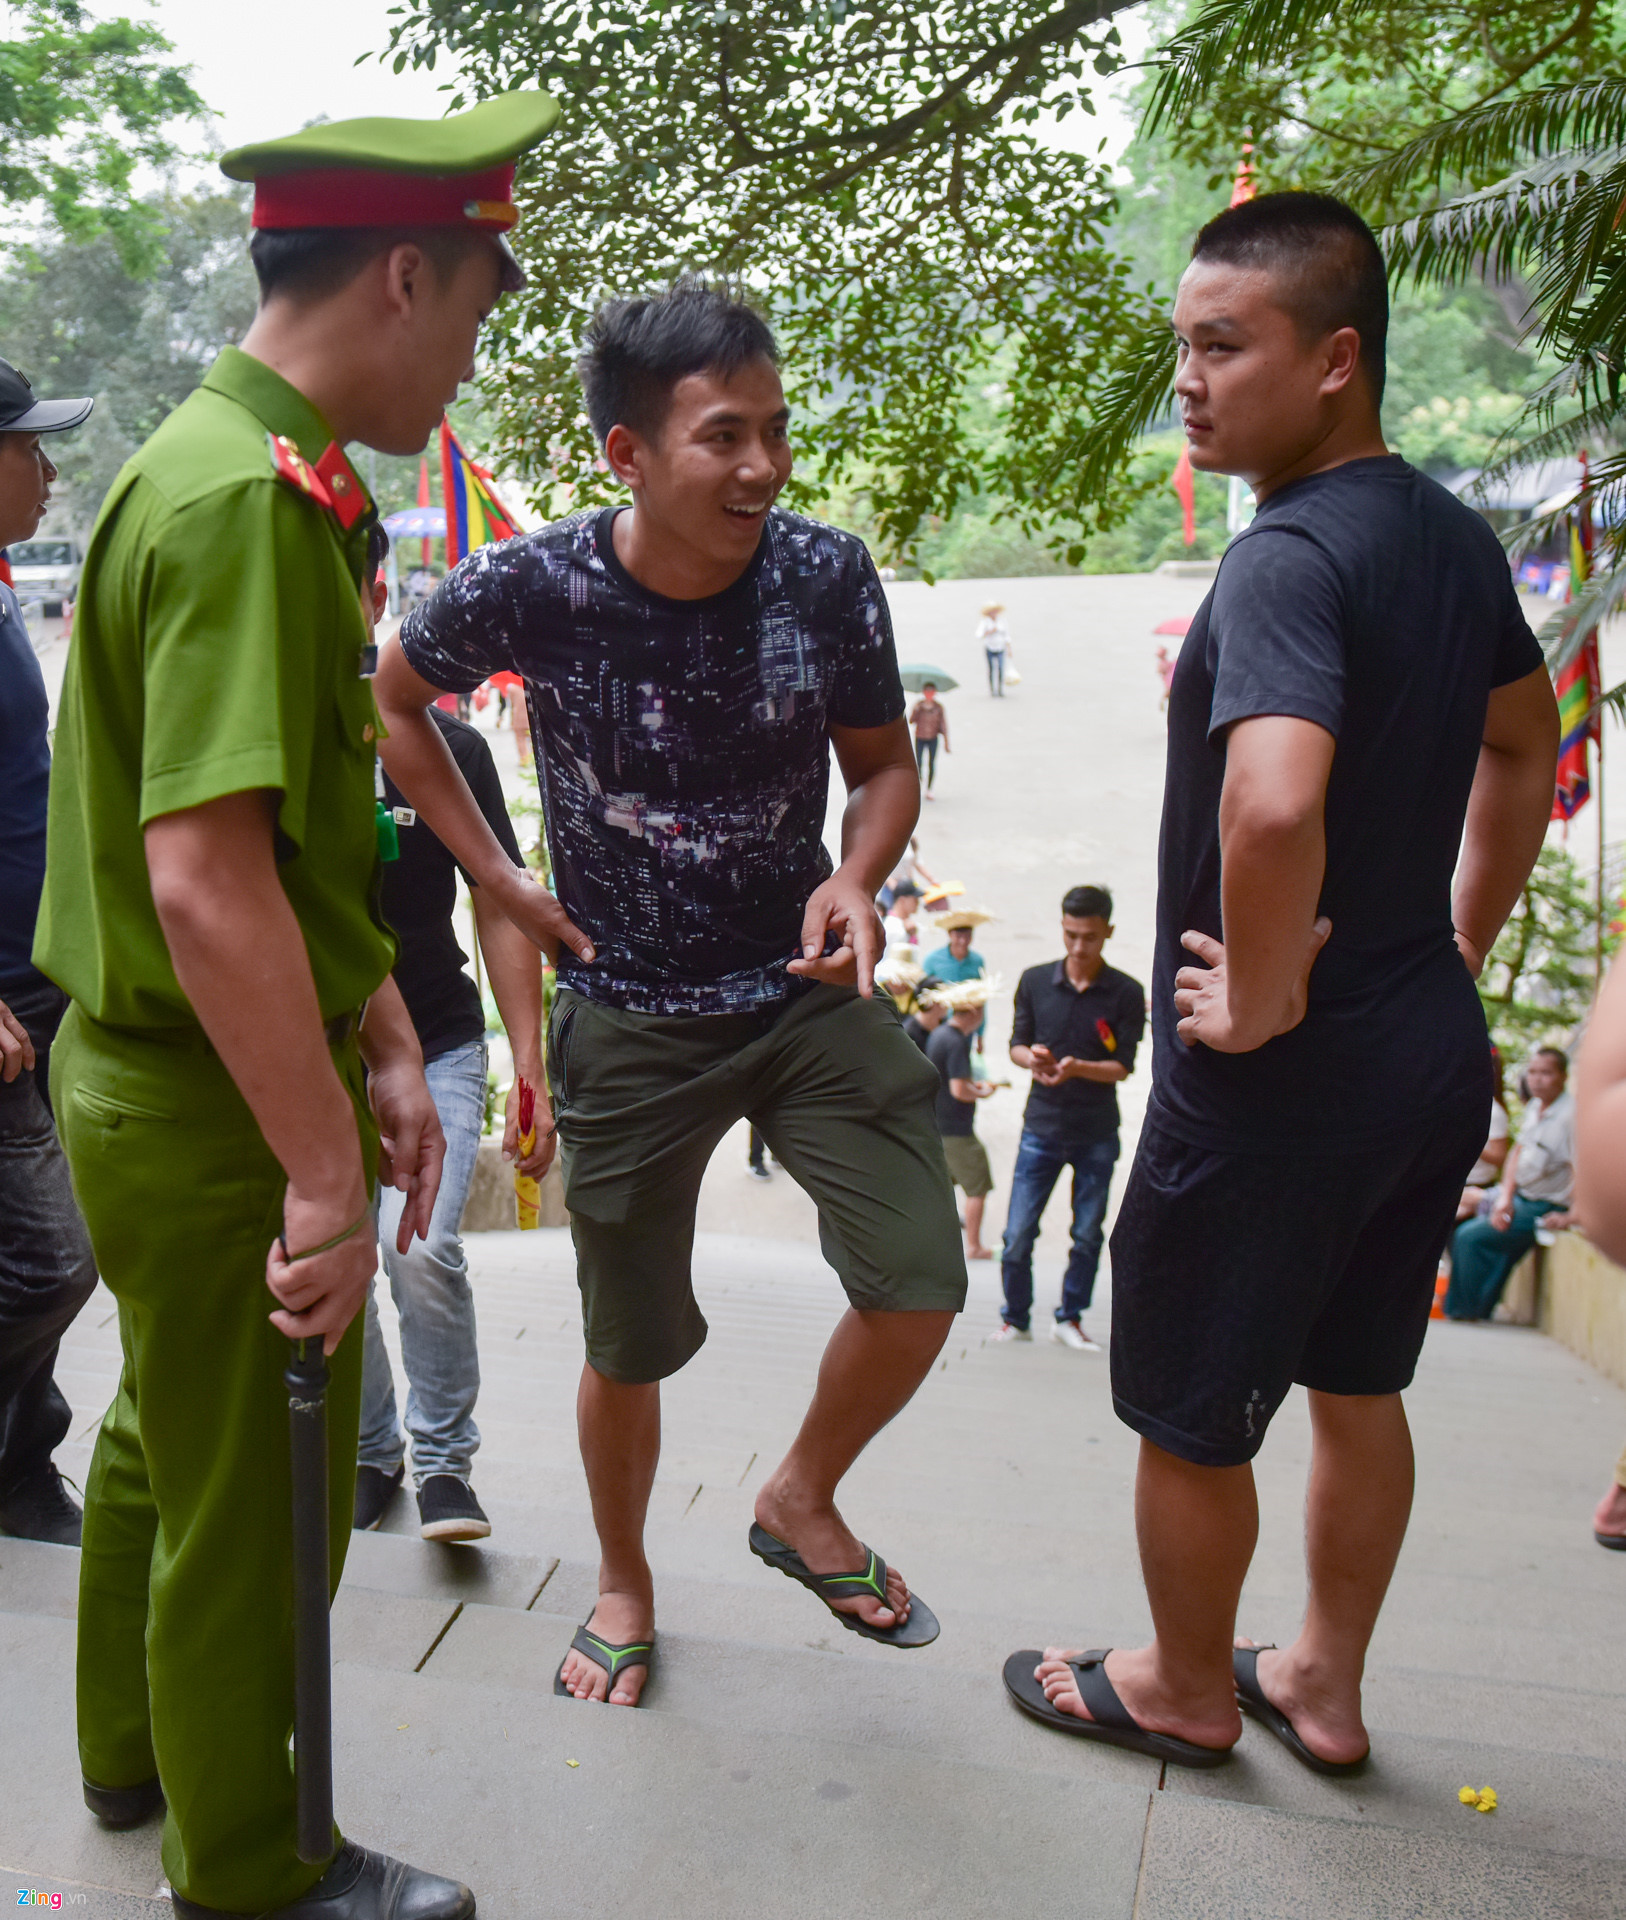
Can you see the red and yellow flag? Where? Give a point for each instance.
(1581, 682)
(474, 515)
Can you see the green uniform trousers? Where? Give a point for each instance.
(185, 1598)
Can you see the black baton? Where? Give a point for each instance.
(307, 1379)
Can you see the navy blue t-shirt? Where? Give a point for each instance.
(682, 746)
(25, 776)
(1369, 600)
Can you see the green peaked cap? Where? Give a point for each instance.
(488, 135)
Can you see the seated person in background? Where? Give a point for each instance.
(949, 1050)
(1490, 1163)
(1536, 1184)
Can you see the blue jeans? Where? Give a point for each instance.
(430, 1286)
(47, 1270)
(1482, 1257)
(1039, 1164)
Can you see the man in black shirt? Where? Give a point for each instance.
(430, 1282)
(689, 665)
(1358, 689)
(1076, 1026)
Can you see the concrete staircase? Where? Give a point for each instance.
(784, 1769)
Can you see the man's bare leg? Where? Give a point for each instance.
(1361, 1477)
(974, 1249)
(620, 1429)
(869, 1373)
(1197, 1527)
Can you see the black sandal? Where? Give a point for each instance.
(1250, 1697)
(919, 1630)
(635, 1653)
(1111, 1721)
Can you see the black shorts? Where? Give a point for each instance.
(1235, 1275)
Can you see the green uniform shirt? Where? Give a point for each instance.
(217, 648)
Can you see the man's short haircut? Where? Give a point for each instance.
(1330, 267)
(314, 263)
(1554, 1053)
(636, 351)
(1087, 903)
(378, 549)
(928, 686)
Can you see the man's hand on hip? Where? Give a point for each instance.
(541, 918)
(1202, 997)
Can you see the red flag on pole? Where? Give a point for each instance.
(1244, 187)
(1581, 682)
(423, 498)
(1185, 485)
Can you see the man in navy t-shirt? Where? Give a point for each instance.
(1360, 712)
(690, 663)
(46, 1269)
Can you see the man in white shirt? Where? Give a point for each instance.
(1536, 1184)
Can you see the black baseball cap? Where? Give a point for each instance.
(20, 412)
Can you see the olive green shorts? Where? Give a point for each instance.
(844, 1099)
(968, 1164)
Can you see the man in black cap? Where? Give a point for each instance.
(47, 1272)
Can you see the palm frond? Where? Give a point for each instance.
(1606, 488)
(1592, 427)
(1130, 401)
(1230, 37)
(1501, 134)
(1563, 631)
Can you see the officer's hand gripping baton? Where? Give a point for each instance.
(306, 1378)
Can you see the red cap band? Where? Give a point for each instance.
(371, 197)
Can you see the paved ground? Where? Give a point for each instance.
(785, 1769)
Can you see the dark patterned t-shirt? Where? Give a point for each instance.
(682, 746)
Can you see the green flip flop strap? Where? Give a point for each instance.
(635, 1653)
(851, 1586)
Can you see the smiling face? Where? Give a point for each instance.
(705, 480)
(1257, 398)
(26, 474)
(959, 942)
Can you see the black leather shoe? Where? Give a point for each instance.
(375, 1489)
(121, 1807)
(362, 1885)
(38, 1508)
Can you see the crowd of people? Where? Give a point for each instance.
(232, 1015)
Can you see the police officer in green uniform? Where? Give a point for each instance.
(211, 874)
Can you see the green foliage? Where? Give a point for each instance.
(1542, 972)
(77, 320)
(84, 103)
(870, 170)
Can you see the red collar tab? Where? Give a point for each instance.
(347, 496)
(372, 197)
(291, 465)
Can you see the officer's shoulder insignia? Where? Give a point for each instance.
(290, 464)
(348, 495)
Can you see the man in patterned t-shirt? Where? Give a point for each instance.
(689, 664)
